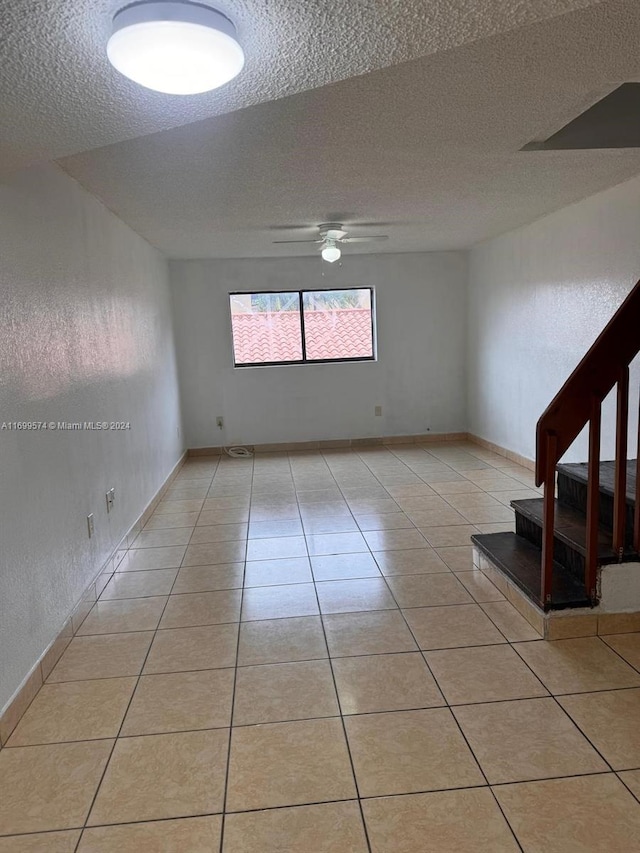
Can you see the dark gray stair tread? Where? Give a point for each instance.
(580, 471)
(570, 527)
(521, 561)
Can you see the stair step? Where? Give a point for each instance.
(520, 561)
(570, 527)
(572, 490)
(579, 471)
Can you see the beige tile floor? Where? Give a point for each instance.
(296, 655)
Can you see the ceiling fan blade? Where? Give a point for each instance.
(298, 241)
(357, 223)
(376, 238)
(297, 227)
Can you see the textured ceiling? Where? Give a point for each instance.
(408, 113)
(58, 94)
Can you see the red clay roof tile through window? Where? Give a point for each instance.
(275, 336)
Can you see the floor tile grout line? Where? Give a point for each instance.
(583, 733)
(451, 713)
(569, 639)
(347, 657)
(444, 497)
(117, 572)
(431, 707)
(342, 721)
(457, 723)
(266, 619)
(306, 535)
(554, 696)
(428, 453)
(482, 490)
(423, 791)
(495, 624)
(447, 570)
(197, 519)
(196, 524)
(460, 511)
(115, 741)
(472, 595)
(321, 615)
(235, 678)
(382, 486)
(479, 604)
(553, 778)
(634, 794)
(169, 569)
(401, 609)
(615, 651)
(391, 497)
(339, 705)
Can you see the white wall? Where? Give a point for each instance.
(418, 379)
(538, 298)
(85, 335)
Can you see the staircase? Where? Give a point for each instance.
(519, 555)
(563, 539)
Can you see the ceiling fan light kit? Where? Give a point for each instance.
(330, 252)
(331, 237)
(179, 48)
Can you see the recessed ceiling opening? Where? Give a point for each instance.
(613, 122)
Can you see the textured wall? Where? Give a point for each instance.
(419, 378)
(538, 298)
(85, 335)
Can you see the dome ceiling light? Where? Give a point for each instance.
(330, 252)
(179, 48)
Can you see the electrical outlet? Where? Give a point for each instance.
(111, 499)
(220, 423)
(378, 411)
(90, 525)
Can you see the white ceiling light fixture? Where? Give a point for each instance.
(330, 252)
(179, 48)
(331, 236)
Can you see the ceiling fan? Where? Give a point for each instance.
(331, 236)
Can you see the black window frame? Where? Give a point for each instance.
(304, 359)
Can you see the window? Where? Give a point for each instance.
(302, 326)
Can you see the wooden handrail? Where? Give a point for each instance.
(570, 410)
(577, 404)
